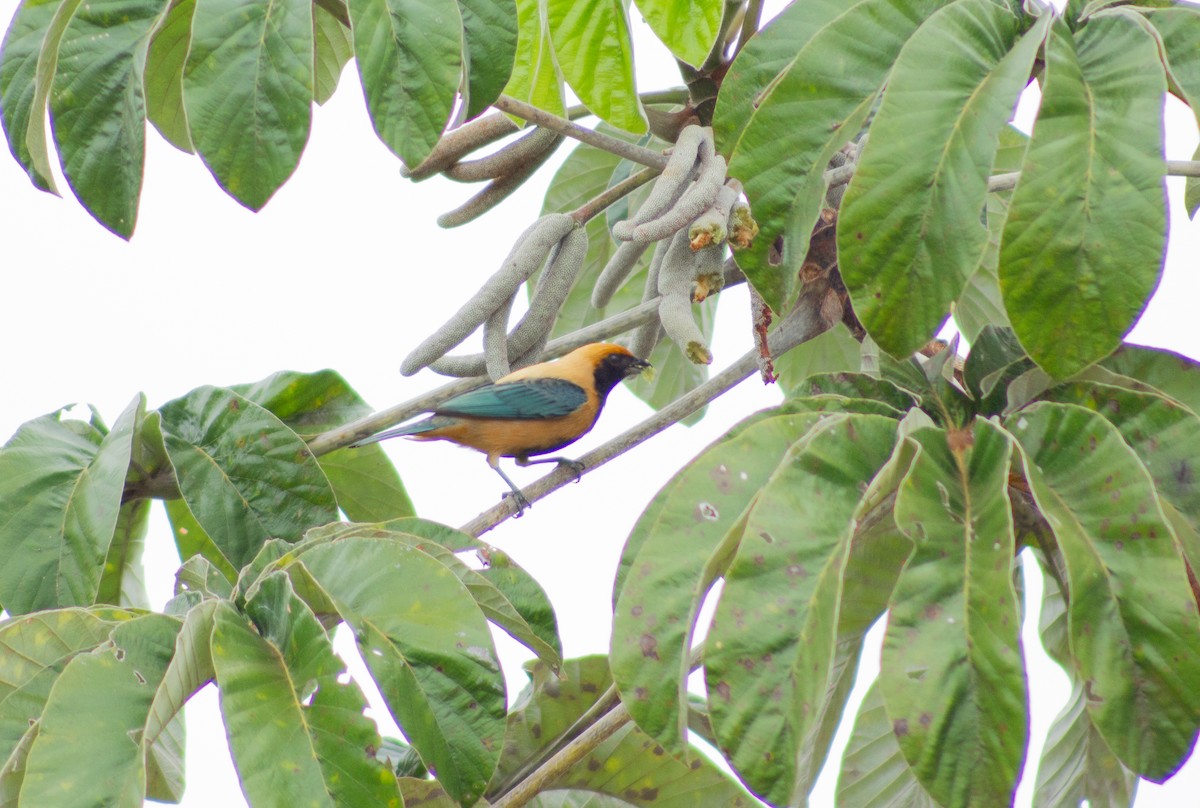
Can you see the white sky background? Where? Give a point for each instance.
(345, 268)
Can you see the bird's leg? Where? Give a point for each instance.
(573, 465)
(522, 502)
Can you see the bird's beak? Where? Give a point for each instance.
(638, 367)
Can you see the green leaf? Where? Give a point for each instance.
(90, 747)
(761, 60)
(688, 27)
(952, 671)
(366, 484)
(1172, 373)
(297, 733)
(1083, 243)
(1164, 435)
(770, 651)
(248, 89)
(996, 359)
(1076, 763)
(857, 386)
(123, 582)
(522, 591)
(190, 669)
(681, 544)
(163, 82)
(909, 233)
(593, 50)
(61, 485)
(535, 78)
(192, 542)
(489, 50)
(34, 650)
(833, 351)
(12, 770)
(428, 648)
(809, 109)
(97, 109)
(31, 41)
(874, 773)
(410, 60)
(332, 48)
(541, 636)
(1132, 619)
(980, 305)
(1177, 28)
(244, 475)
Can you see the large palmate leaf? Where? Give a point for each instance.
(807, 111)
(1076, 763)
(1083, 243)
(760, 60)
(332, 48)
(427, 645)
(123, 580)
(409, 55)
(60, 487)
(770, 651)
(535, 78)
(682, 543)
(910, 235)
(1172, 373)
(165, 61)
(91, 750)
(1131, 615)
(97, 108)
(34, 650)
(687, 27)
(505, 593)
(980, 304)
(282, 701)
(366, 484)
(247, 89)
(244, 476)
(595, 54)
(874, 773)
(30, 45)
(952, 670)
(489, 49)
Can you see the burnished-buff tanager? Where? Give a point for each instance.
(532, 411)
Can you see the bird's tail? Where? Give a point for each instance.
(415, 428)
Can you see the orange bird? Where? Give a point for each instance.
(532, 411)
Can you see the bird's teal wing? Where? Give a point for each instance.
(527, 399)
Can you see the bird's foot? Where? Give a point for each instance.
(573, 465)
(522, 502)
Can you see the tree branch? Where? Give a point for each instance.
(800, 326)
(565, 759)
(613, 145)
(596, 205)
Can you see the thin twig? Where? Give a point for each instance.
(1183, 168)
(798, 327)
(601, 707)
(566, 759)
(585, 212)
(547, 120)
